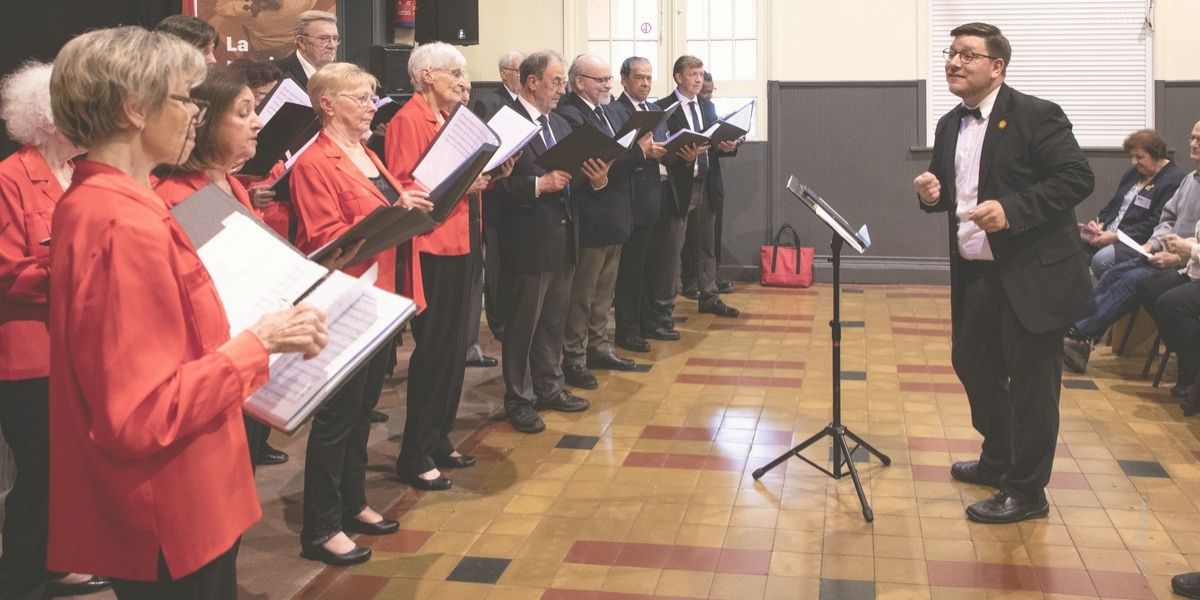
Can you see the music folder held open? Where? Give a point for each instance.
(454, 159)
(583, 143)
(257, 272)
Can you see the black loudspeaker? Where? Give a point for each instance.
(389, 63)
(450, 21)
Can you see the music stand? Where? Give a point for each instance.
(842, 233)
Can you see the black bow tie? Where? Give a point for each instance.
(963, 111)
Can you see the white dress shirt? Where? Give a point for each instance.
(307, 66)
(972, 241)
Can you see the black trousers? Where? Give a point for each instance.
(630, 300)
(25, 421)
(1149, 289)
(335, 470)
(1177, 313)
(256, 439)
(435, 371)
(216, 580)
(1012, 377)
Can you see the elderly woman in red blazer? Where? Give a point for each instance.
(335, 183)
(31, 181)
(150, 474)
(447, 259)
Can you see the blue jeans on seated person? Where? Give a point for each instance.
(1115, 295)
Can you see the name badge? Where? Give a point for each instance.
(1141, 201)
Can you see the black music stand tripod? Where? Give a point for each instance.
(842, 454)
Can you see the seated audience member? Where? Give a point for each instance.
(317, 41)
(1137, 204)
(334, 184)
(31, 181)
(1173, 299)
(194, 31)
(446, 259)
(1116, 293)
(146, 384)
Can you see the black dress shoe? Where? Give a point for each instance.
(662, 333)
(428, 485)
(578, 376)
(1003, 508)
(968, 471)
(612, 361)
(272, 456)
(691, 293)
(56, 589)
(378, 417)
(483, 361)
(384, 527)
(1186, 585)
(1191, 406)
(524, 419)
(565, 402)
(454, 462)
(1181, 391)
(632, 344)
(1076, 352)
(318, 552)
(716, 307)
(724, 286)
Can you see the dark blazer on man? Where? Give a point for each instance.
(677, 191)
(1031, 163)
(534, 231)
(605, 216)
(647, 188)
(1143, 213)
(291, 67)
(490, 102)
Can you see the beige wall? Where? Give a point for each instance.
(1177, 41)
(815, 41)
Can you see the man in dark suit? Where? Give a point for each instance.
(687, 188)
(1008, 172)
(605, 221)
(538, 251)
(317, 41)
(631, 300)
(716, 199)
(485, 294)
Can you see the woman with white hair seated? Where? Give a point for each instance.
(150, 473)
(31, 181)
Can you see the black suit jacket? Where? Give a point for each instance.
(677, 190)
(1139, 221)
(1031, 163)
(605, 216)
(646, 188)
(489, 104)
(536, 234)
(291, 67)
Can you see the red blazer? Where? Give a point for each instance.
(147, 447)
(409, 133)
(28, 193)
(330, 195)
(176, 187)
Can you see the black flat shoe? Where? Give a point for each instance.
(384, 527)
(1186, 585)
(1002, 508)
(57, 589)
(724, 286)
(318, 552)
(378, 417)
(483, 362)
(272, 456)
(968, 471)
(632, 344)
(691, 293)
(662, 333)
(565, 402)
(524, 419)
(454, 462)
(429, 485)
(716, 307)
(578, 376)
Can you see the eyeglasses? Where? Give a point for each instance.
(325, 40)
(557, 82)
(455, 73)
(364, 100)
(965, 56)
(202, 105)
(1194, 138)
(599, 80)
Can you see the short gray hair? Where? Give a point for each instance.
(510, 57)
(308, 17)
(25, 103)
(580, 63)
(435, 55)
(97, 72)
(535, 64)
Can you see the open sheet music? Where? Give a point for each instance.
(257, 272)
(287, 90)
(860, 240)
(456, 157)
(514, 132)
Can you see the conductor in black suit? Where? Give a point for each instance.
(1008, 172)
(538, 251)
(317, 42)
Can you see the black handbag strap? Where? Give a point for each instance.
(795, 243)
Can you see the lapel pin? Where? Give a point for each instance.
(1002, 124)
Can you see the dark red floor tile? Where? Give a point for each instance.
(561, 594)
(926, 320)
(404, 541)
(593, 553)
(736, 436)
(937, 388)
(651, 556)
(645, 459)
(691, 378)
(980, 575)
(1074, 582)
(1069, 481)
(744, 562)
(696, 434)
(684, 461)
(693, 558)
(760, 328)
(1130, 586)
(931, 473)
(660, 432)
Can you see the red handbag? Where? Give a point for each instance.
(786, 266)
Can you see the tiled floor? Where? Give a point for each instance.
(649, 493)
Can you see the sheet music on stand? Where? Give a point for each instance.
(360, 317)
(860, 240)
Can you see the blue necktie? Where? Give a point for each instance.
(702, 160)
(547, 135)
(605, 127)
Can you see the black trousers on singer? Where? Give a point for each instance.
(216, 580)
(25, 421)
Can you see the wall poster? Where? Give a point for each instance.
(254, 28)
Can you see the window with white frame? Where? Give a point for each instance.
(618, 29)
(1092, 57)
(724, 34)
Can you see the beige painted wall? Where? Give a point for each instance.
(1177, 42)
(814, 41)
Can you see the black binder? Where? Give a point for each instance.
(583, 143)
(291, 127)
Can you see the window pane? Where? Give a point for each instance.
(745, 18)
(745, 60)
(646, 50)
(697, 19)
(720, 60)
(598, 47)
(698, 48)
(646, 20)
(621, 50)
(720, 19)
(622, 19)
(597, 18)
